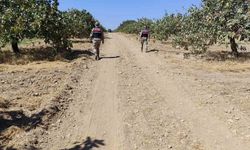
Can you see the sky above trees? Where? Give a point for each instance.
(112, 12)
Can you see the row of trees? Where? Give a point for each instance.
(215, 21)
(27, 19)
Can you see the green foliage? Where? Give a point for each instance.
(53, 27)
(144, 22)
(79, 23)
(27, 19)
(17, 20)
(229, 16)
(128, 26)
(193, 31)
(166, 27)
(215, 21)
(134, 27)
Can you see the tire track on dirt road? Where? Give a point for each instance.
(149, 124)
(93, 118)
(66, 128)
(105, 120)
(129, 103)
(212, 132)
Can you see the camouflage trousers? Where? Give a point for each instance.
(144, 41)
(96, 47)
(96, 44)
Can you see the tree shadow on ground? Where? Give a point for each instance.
(74, 54)
(88, 144)
(152, 51)
(164, 51)
(226, 55)
(28, 55)
(7, 148)
(50, 54)
(12, 148)
(19, 119)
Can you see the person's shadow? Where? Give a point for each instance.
(88, 144)
(109, 57)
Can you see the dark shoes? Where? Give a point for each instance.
(97, 58)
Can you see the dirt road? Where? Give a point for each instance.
(131, 100)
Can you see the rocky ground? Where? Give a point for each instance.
(164, 98)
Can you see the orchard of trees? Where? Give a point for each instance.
(214, 22)
(27, 19)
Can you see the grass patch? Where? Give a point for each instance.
(81, 41)
(1, 69)
(33, 41)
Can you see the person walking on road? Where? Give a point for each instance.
(144, 38)
(97, 37)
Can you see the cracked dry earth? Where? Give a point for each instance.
(131, 100)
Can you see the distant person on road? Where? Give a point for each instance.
(97, 37)
(144, 38)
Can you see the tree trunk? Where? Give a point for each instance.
(14, 45)
(234, 47)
